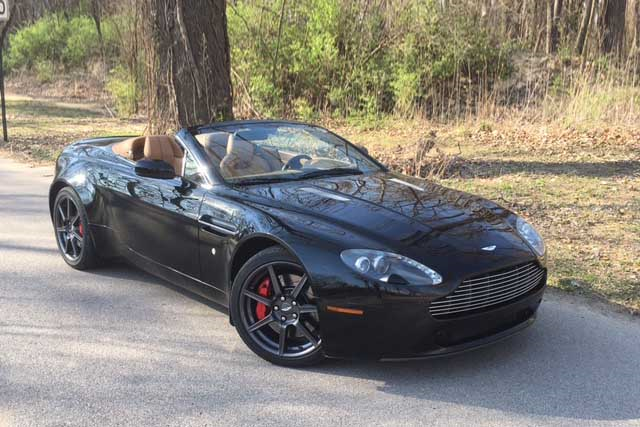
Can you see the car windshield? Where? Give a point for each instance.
(263, 152)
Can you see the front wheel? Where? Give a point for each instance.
(275, 311)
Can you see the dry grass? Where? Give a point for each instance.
(579, 185)
(38, 129)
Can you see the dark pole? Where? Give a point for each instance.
(4, 107)
(3, 33)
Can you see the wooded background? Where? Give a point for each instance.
(532, 103)
(338, 58)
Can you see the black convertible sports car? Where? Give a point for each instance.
(313, 247)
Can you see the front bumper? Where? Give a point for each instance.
(469, 345)
(402, 328)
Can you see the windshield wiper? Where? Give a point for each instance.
(294, 177)
(330, 172)
(263, 180)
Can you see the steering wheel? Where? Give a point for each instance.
(295, 162)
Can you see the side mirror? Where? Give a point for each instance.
(363, 149)
(158, 169)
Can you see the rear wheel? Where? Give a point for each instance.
(72, 231)
(275, 311)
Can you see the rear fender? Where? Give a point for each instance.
(76, 177)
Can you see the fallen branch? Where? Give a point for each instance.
(113, 116)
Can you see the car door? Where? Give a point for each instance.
(158, 219)
(220, 220)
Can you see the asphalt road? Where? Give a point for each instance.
(119, 347)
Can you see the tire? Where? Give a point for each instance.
(263, 313)
(73, 235)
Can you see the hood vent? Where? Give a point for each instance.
(325, 194)
(407, 184)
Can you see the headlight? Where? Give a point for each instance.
(530, 234)
(389, 268)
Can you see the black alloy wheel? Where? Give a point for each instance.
(72, 232)
(275, 311)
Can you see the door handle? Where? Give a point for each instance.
(216, 227)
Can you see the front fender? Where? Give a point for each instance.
(345, 333)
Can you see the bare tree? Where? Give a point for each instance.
(549, 27)
(554, 9)
(555, 30)
(613, 25)
(632, 30)
(585, 23)
(95, 10)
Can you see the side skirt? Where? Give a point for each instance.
(182, 280)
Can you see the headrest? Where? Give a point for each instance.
(215, 144)
(218, 139)
(131, 148)
(240, 147)
(161, 147)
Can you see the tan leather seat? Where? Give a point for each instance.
(215, 144)
(163, 147)
(131, 148)
(243, 159)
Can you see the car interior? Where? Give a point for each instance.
(152, 147)
(233, 155)
(239, 157)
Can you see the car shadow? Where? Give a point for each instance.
(560, 367)
(122, 270)
(563, 366)
(27, 248)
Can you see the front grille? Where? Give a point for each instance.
(497, 288)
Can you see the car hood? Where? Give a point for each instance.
(414, 217)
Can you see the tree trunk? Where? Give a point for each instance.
(96, 15)
(189, 68)
(613, 24)
(549, 27)
(555, 30)
(584, 26)
(523, 21)
(554, 9)
(632, 30)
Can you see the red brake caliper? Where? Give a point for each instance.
(81, 230)
(264, 289)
